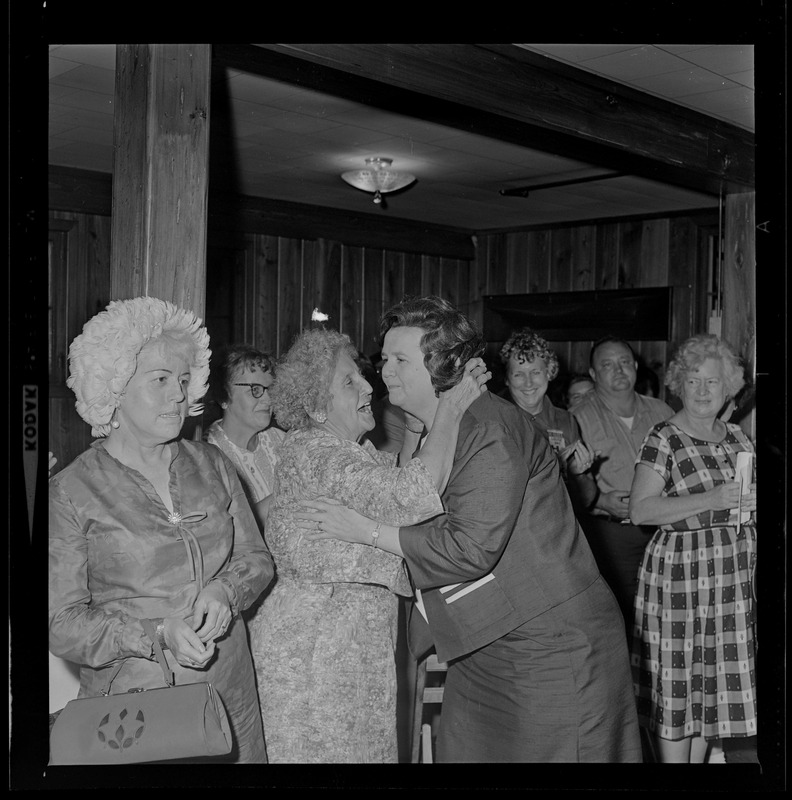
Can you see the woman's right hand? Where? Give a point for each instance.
(725, 496)
(471, 386)
(327, 519)
(185, 644)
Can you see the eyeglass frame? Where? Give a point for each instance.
(251, 385)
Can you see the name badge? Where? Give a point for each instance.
(556, 438)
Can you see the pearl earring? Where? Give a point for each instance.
(320, 416)
(114, 423)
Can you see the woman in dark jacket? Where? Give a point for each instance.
(538, 668)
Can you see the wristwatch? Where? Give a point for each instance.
(375, 534)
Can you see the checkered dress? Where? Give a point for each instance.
(693, 645)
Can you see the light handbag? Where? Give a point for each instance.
(142, 725)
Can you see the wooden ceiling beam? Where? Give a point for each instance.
(283, 218)
(91, 193)
(505, 92)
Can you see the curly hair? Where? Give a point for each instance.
(449, 338)
(103, 358)
(229, 363)
(694, 352)
(303, 376)
(526, 345)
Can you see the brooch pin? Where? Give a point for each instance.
(174, 517)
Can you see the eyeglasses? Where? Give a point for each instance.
(256, 389)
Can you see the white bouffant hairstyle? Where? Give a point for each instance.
(103, 358)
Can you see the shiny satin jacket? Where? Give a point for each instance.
(509, 547)
(116, 555)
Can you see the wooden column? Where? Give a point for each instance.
(160, 173)
(739, 286)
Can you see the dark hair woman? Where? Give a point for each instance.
(538, 668)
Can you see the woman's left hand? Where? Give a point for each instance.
(211, 613)
(185, 645)
(477, 369)
(323, 519)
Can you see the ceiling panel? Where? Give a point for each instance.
(292, 144)
(684, 74)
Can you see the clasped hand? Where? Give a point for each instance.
(192, 642)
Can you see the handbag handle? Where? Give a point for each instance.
(148, 627)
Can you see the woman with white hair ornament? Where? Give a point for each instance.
(144, 525)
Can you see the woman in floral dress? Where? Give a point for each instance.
(693, 647)
(324, 639)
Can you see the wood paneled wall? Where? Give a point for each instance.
(610, 255)
(262, 289)
(79, 288)
(266, 293)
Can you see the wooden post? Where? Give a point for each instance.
(739, 287)
(160, 173)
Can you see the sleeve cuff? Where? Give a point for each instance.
(231, 591)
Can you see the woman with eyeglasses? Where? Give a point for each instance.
(240, 379)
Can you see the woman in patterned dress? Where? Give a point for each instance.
(324, 639)
(240, 380)
(693, 648)
(144, 525)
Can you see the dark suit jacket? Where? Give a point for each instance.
(508, 547)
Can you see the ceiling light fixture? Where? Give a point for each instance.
(378, 177)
